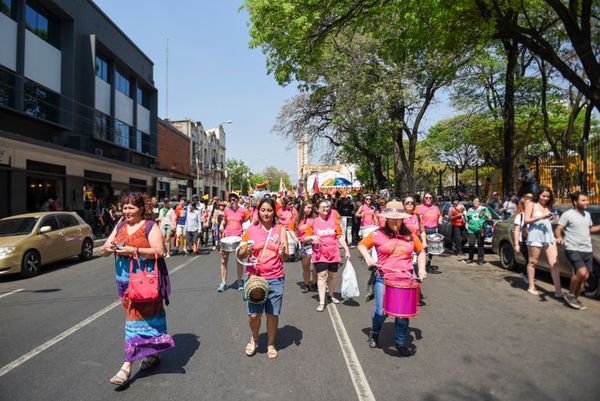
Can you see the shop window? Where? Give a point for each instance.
(40, 190)
(122, 83)
(121, 133)
(102, 68)
(41, 102)
(136, 185)
(101, 125)
(7, 85)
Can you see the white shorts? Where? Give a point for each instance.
(180, 230)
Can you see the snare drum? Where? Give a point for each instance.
(401, 298)
(229, 244)
(366, 230)
(435, 244)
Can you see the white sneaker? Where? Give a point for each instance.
(221, 287)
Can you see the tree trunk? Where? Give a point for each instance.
(512, 52)
(378, 172)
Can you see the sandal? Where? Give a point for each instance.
(250, 349)
(150, 362)
(533, 292)
(271, 352)
(120, 379)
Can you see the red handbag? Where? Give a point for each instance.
(143, 284)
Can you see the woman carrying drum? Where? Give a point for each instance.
(298, 228)
(394, 244)
(268, 246)
(231, 226)
(325, 233)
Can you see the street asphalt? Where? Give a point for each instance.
(481, 336)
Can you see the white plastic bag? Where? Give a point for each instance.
(349, 282)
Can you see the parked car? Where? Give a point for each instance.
(29, 241)
(446, 229)
(503, 246)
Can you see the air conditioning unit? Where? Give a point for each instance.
(98, 152)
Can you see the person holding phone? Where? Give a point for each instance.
(540, 238)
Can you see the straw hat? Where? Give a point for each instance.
(394, 210)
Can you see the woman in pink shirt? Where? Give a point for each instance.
(231, 226)
(394, 244)
(366, 213)
(431, 217)
(325, 233)
(299, 226)
(269, 245)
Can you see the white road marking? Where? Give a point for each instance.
(12, 292)
(24, 358)
(359, 380)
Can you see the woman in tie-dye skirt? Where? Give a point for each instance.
(145, 323)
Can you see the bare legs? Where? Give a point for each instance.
(552, 255)
(224, 262)
(272, 322)
(322, 285)
(306, 271)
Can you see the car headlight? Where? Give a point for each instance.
(5, 250)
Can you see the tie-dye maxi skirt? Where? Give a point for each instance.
(145, 323)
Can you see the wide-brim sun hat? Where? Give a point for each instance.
(394, 210)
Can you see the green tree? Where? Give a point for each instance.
(273, 174)
(237, 172)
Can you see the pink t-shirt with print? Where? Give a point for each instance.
(234, 221)
(300, 229)
(368, 216)
(394, 255)
(429, 215)
(412, 223)
(286, 217)
(327, 251)
(270, 263)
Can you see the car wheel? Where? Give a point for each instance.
(592, 285)
(87, 249)
(507, 256)
(31, 264)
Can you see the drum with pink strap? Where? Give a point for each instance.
(401, 298)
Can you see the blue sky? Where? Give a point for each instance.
(213, 75)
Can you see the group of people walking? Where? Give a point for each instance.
(393, 246)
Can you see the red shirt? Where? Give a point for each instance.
(460, 221)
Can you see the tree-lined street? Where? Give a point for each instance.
(480, 336)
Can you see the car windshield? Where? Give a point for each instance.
(19, 226)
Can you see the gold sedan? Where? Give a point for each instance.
(28, 241)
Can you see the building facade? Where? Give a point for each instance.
(176, 177)
(207, 157)
(78, 107)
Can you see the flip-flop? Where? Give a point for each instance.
(119, 380)
(250, 349)
(149, 362)
(271, 352)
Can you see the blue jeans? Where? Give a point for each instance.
(401, 324)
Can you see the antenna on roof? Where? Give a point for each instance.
(167, 83)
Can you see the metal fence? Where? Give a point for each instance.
(574, 174)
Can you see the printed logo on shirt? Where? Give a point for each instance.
(326, 231)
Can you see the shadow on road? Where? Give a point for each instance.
(172, 361)
(386, 338)
(286, 336)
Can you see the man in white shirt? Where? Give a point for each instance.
(192, 226)
(577, 226)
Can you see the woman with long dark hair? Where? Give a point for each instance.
(138, 237)
(540, 237)
(269, 245)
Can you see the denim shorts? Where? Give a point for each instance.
(274, 299)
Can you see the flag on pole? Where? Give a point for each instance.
(282, 189)
(250, 189)
(316, 185)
